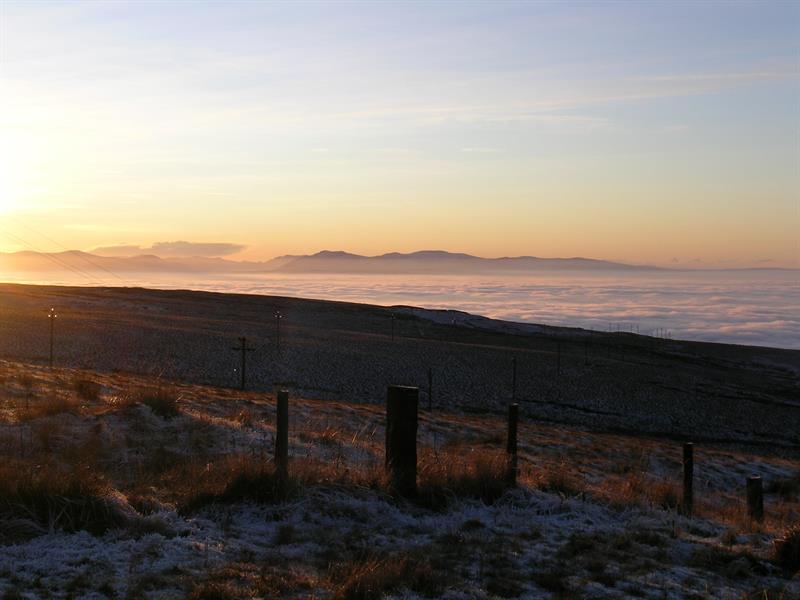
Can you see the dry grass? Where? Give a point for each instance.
(239, 478)
(787, 488)
(444, 476)
(246, 580)
(373, 577)
(86, 389)
(638, 489)
(441, 479)
(162, 400)
(328, 436)
(36, 499)
(731, 510)
(48, 407)
(787, 550)
(559, 479)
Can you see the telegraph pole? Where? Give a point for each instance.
(52, 315)
(514, 379)
(430, 389)
(244, 350)
(278, 317)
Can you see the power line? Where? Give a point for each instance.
(82, 256)
(52, 258)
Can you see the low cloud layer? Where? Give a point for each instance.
(173, 249)
(757, 308)
(747, 307)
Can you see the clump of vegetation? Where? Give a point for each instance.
(234, 481)
(373, 577)
(478, 475)
(240, 479)
(559, 480)
(787, 550)
(216, 590)
(43, 498)
(235, 581)
(86, 389)
(736, 565)
(788, 488)
(27, 382)
(48, 407)
(666, 495)
(162, 400)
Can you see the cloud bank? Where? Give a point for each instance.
(173, 249)
(759, 308)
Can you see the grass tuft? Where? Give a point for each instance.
(787, 550)
(447, 476)
(41, 499)
(86, 389)
(163, 401)
(374, 577)
(48, 407)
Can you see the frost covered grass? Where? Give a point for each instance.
(114, 499)
(37, 499)
(162, 400)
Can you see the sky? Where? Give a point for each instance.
(654, 133)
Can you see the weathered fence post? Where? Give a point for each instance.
(755, 498)
(511, 446)
(402, 404)
(282, 436)
(688, 478)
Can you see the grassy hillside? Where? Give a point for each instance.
(129, 486)
(351, 352)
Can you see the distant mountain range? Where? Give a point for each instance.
(439, 262)
(424, 262)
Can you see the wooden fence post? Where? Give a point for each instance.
(688, 478)
(401, 438)
(511, 446)
(282, 436)
(755, 498)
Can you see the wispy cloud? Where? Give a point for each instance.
(173, 249)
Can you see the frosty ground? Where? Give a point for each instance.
(157, 490)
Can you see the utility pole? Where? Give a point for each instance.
(244, 350)
(52, 316)
(514, 379)
(392, 326)
(278, 317)
(559, 358)
(430, 389)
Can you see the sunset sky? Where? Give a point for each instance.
(652, 133)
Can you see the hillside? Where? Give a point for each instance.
(116, 485)
(340, 351)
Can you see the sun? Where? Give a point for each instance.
(7, 196)
(10, 184)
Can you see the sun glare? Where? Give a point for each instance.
(6, 197)
(10, 185)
